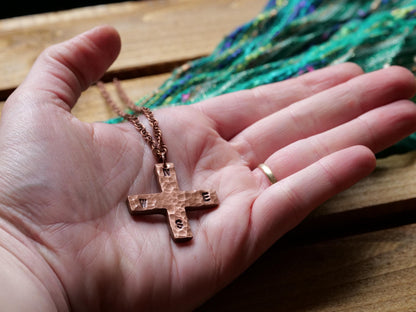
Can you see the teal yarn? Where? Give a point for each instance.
(292, 37)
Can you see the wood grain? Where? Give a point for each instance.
(385, 198)
(152, 32)
(379, 188)
(367, 272)
(91, 107)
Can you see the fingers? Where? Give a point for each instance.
(283, 205)
(376, 129)
(324, 111)
(236, 111)
(64, 70)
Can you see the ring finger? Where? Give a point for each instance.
(376, 129)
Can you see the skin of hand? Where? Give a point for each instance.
(67, 239)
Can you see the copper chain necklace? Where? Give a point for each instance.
(159, 148)
(172, 201)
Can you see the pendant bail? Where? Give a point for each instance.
(163, 160)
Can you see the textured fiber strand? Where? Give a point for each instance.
(289, 38)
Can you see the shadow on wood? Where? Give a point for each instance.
(333, 275)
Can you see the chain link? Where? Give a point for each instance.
(156, 143)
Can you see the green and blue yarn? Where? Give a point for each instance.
(292, 37)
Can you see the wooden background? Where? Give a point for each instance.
(355, 253)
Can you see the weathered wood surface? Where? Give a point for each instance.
(155, 34)
(91, 106)
(368, 272)
(354, 253)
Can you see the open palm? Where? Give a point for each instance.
(65, 183)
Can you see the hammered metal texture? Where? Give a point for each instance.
(173, 202)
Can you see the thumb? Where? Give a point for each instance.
(63, 71)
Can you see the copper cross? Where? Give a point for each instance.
(173, 202)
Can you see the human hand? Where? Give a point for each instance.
(66, 234)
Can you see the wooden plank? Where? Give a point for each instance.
(385, 198)
(152, 32)
(368, 272)
(392, 181)
(91, 106)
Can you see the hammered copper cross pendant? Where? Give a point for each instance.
(172, 202)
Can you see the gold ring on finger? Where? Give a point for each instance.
(268, 172)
